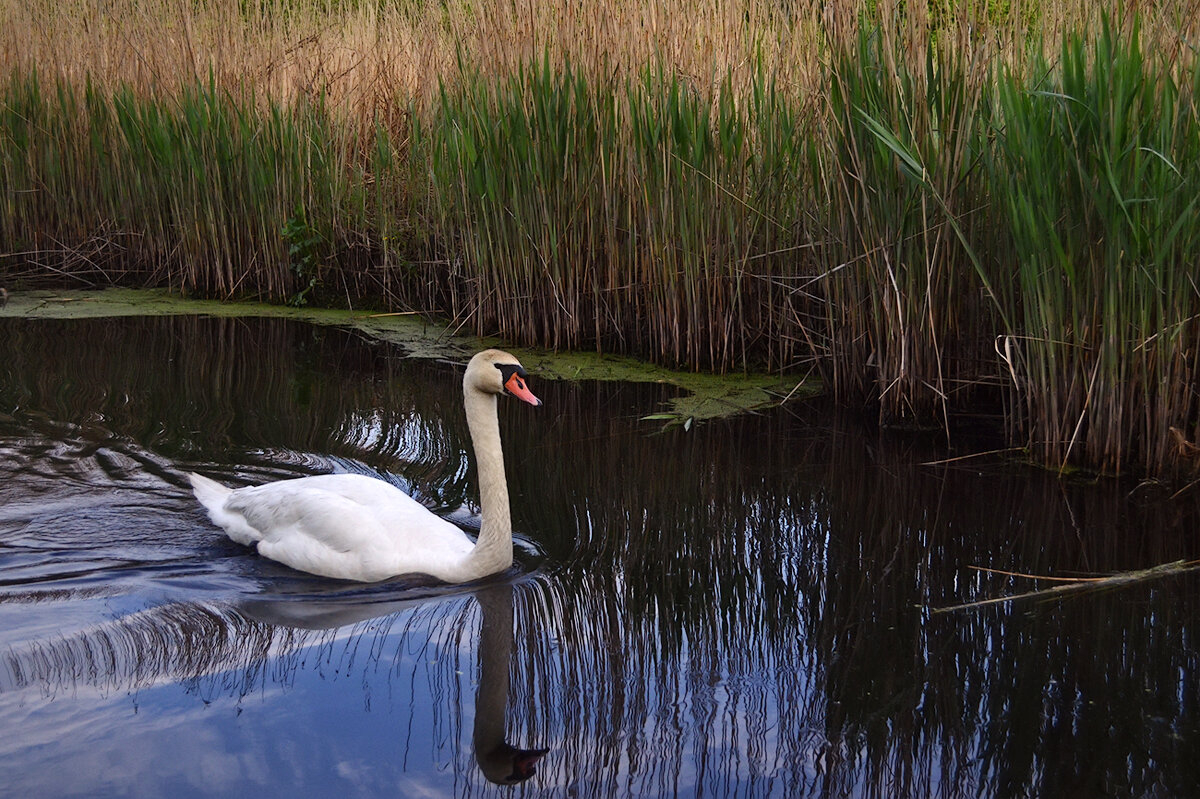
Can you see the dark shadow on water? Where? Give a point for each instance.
(738, 610)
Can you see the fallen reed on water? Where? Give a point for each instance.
(924, 208)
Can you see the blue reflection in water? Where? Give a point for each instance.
(250, 707)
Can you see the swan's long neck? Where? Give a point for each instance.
(493, 551)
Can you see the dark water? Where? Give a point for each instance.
(739, 610)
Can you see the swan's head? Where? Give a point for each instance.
(508, 765)
(497, 372)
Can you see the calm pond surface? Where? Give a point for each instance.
(739, 610)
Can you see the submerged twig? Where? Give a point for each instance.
(1124, 578)
(971, 455)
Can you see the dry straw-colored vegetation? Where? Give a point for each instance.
(927, 204)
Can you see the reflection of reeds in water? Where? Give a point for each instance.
(761, 608)
(172, 643)
(290, 398)
(684, 649)
(1000, 698)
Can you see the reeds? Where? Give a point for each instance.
(1096, 180)
(926, 207)
(899, 190)
(634, 214)
(208, 191)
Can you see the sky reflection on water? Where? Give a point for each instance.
(738, 610)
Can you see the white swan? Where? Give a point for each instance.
(353, 527)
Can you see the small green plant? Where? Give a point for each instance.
(303, 243)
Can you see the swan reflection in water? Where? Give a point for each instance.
(265, 639)
(500, 761)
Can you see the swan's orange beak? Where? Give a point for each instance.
(515, 385)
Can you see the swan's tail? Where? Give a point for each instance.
(213, 496)
(210, 493)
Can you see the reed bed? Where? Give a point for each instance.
(899, 191)
(205, 192)
(929, 206)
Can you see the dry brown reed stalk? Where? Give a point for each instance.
(361, 56)
(366, 57)
(360, 59)
(359, 53)
(1079, 584)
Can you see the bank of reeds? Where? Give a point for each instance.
(900, 204)
(925, 208)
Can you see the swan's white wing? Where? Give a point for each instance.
(344, 526)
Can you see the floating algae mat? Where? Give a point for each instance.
(704, 396)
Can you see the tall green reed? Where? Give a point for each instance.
(639, 213)
(192, 192)
(511, 195)
(1097, 178)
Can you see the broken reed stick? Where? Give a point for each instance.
(1123, 578)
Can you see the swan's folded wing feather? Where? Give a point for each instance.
(347, 529)
(282, 510)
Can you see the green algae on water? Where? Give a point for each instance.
(707, 396)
